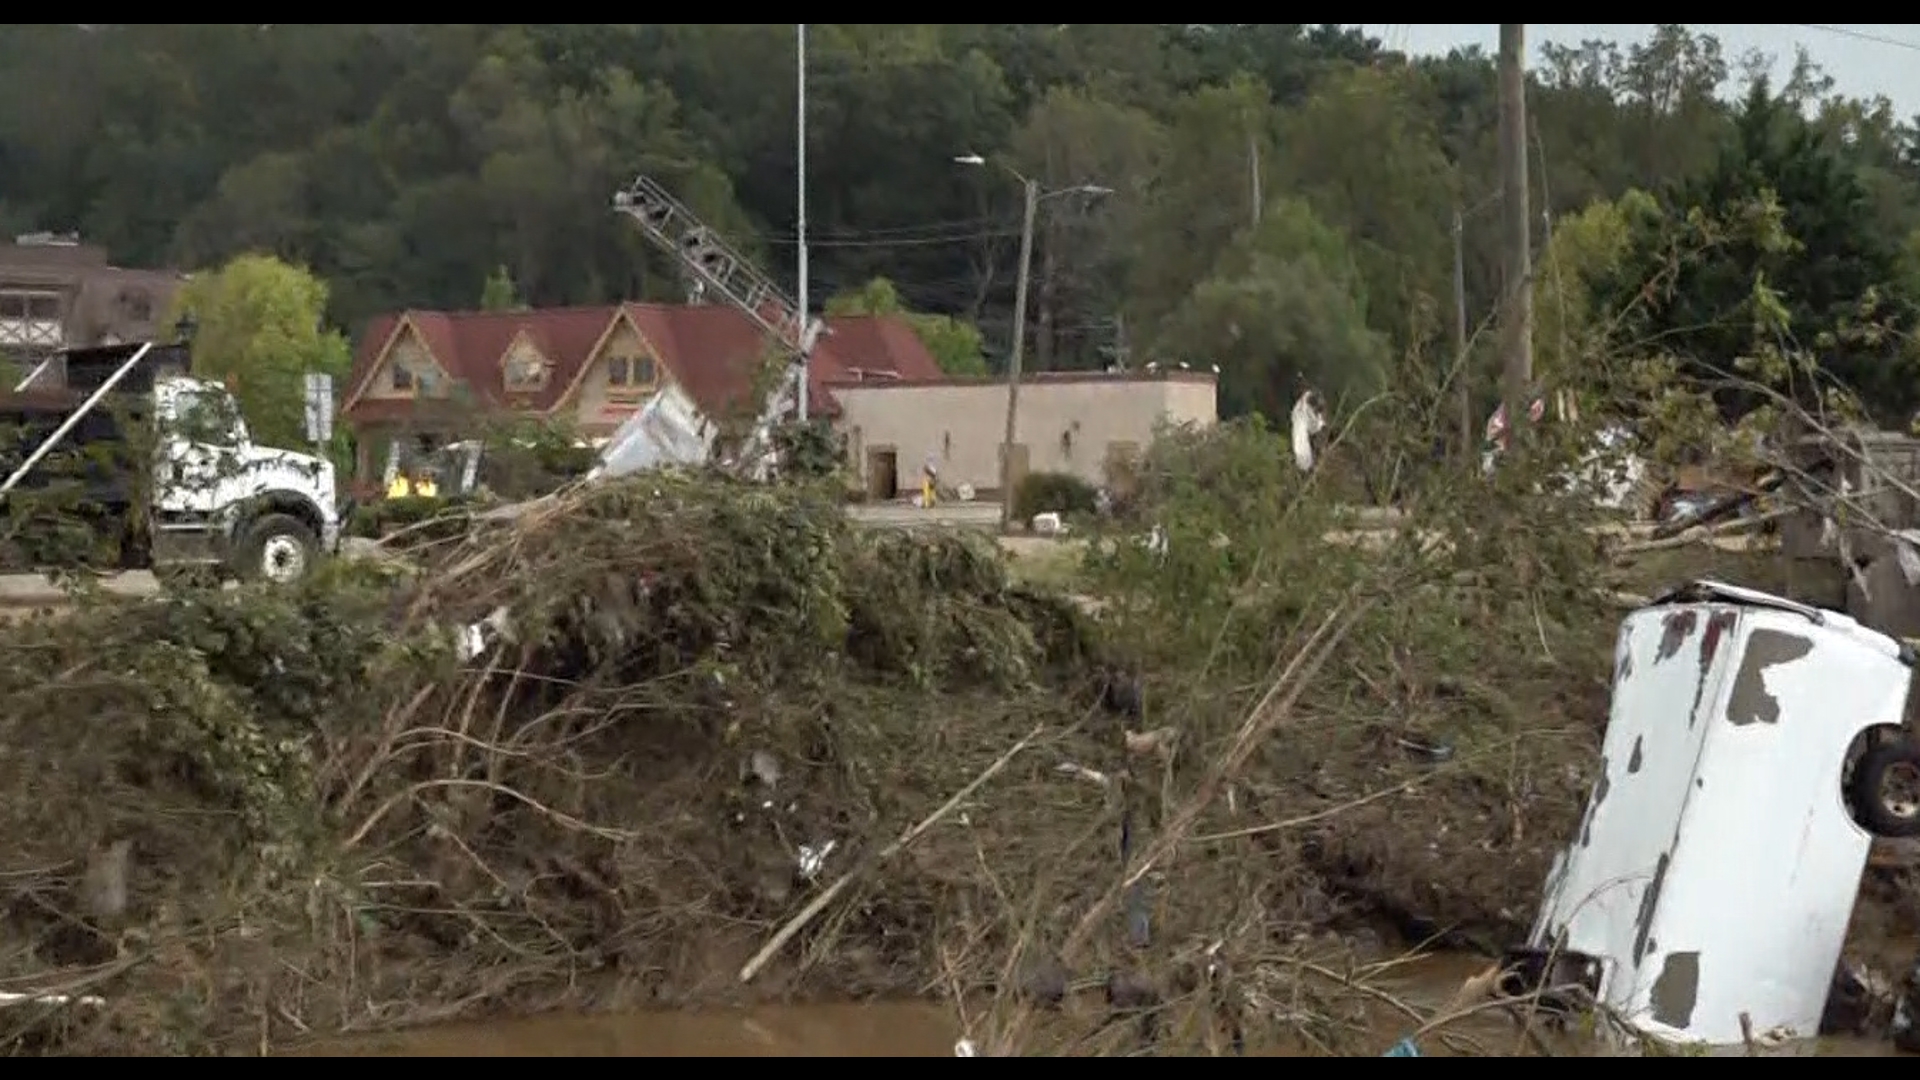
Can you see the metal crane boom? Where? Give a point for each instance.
(674, 229)
(713, 263)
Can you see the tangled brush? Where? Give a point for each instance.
(704, 697)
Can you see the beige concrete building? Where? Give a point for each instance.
(1068, 422)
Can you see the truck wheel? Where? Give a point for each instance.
(1885, 790)
(276, 547)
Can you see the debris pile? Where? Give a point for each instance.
(704, 699)
(717, 744)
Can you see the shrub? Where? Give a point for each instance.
(1061, 493)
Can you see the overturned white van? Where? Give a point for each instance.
(1706, 894)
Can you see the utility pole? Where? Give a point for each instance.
(1032, 192)
(800, 230)
(1253, 162)
(1460, 368)
(1516, 309)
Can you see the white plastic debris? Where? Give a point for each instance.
(1157, 542)
(1048, 524)
(813, 859)
(1906, 548)
(480, 636)
(1081, 772)
(668, 430)
(1308, 421)
(764, 767)
(8, 998)
(965, 1048)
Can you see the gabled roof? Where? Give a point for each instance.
(469, 345)
(710, 350)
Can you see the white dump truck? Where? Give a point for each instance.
(209, 497)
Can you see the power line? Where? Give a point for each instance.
(1861, 35)
(897, 241)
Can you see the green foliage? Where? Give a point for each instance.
(1788, 244)
(1060, 493)
(1285, 307)
(409, 184)
(810, 450)
(955, 345)
(411, 514)
(260, 329)
(500, 293)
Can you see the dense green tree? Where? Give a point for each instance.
(405, 163)
(1828, 265)
(1285, 308)
(500, 293)
(260, 329)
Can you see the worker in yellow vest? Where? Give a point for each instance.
(929, 476)
(424, 487)
(399, 487)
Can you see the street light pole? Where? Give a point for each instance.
(800, 229)
(1030, 189)
(1014, 356)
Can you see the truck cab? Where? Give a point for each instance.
(221, 498)
(210, 497)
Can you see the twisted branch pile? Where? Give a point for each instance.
(698, 682)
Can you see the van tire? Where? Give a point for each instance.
(1867, 795)
(273, 541)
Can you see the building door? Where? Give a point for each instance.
(883, 472)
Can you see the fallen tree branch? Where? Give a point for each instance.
(1704, 534)
(819, 903)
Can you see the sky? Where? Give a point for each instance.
(1864, 59)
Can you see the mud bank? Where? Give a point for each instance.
(932, 1029)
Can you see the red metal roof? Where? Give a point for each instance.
(711, 351)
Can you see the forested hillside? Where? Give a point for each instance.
(1282, 195)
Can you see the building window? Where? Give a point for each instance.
(403, 381)
(36, 306)
(630, 372)
(526, 370)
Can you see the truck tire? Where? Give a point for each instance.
(275, 547)
(1875, 794)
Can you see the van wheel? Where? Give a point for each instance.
(276, 547)
(1885, 791)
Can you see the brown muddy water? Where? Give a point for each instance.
(929, 1029)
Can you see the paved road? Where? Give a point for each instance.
(27, 591)
(974, 515)
(37, 590)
